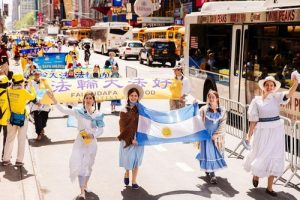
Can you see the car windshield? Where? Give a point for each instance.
(135, 44)
(164, 45)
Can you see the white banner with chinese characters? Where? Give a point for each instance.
(72, 90)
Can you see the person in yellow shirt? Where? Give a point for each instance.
(69, 58)
(179, 88)
(23, 61)
(4, 110)
(17, 99)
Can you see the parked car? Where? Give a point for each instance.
(86, 41)
(130, 49)
(159, 50)
(71, 41)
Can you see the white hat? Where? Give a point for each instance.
(269, 78)
(177, 67)
(130, 86)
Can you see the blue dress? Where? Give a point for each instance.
(131, 156)
(210, 158)
(116, 102)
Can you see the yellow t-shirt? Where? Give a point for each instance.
(23, 63)
(175, 88)
(18, 99)
(4, 109)
(68, 59)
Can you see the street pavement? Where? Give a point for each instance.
(168, 172)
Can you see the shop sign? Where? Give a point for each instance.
(143, 8)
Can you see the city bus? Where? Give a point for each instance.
(230, 46)
(138, 34)
(164, 32)
(108, 36)
(78, 33)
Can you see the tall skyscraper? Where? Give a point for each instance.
(26, 6)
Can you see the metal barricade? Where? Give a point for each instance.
(290, 150)
(236, 124)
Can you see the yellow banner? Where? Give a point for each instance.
(78, 73)
(72, 90)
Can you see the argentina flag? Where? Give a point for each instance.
(182, 125)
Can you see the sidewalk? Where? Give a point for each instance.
(19, 183)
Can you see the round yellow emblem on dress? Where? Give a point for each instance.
(166, 132)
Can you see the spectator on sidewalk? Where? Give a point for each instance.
(90, 126)
(211, 155)
(4, 109)
(130, 155)
(266, 158)
(18, 123)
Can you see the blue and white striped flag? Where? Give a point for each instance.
(182, 125)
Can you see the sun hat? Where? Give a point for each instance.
(3, 79)
(269, 78)
(17, 78)
(130, 86)
(178, 67)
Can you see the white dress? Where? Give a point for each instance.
(83, 156)
(266, 157)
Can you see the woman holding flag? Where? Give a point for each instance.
(131, 154)
(211, 157)
(90, 126)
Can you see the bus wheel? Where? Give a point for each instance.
(173, 63)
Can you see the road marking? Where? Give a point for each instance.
(160, 148)
(184, 167)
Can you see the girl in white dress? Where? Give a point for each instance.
(90, 126)
(266, 158)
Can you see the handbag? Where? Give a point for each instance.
(15, 118)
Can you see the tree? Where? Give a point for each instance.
(26, 21)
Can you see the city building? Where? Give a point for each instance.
(27, 6)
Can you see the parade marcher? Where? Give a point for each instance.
(96, 75)
(18, 121)
(40, 111)
(180, 88)
(74, 63)
(115, 102)
(211, 156)
(112, 60)
(130, 155)
(69, 57)
(23, 61)
(90, 126)
(4, 67)
(4, 109)
(266, 158)
(87, 53)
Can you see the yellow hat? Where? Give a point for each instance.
(3, 79)
(17, 77)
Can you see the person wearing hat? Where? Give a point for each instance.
(40, 111)
(180, 88)
(17, 99)
(90, 126)
(130, 154)
(266, 157)
(4, 109)
(4, 67)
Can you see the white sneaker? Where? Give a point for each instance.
(246, 144)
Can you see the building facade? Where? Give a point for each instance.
(27, 6)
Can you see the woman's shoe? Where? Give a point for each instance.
(126, 181)
(272, 193)
(254, 182)
(135, 186)
(6, 163)
(19, 164)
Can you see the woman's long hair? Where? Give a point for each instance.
(132, 90)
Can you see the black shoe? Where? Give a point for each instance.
(213, 179)
(126, 181)
(272, 193)
(207, 173)
(254, 182)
